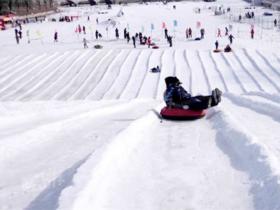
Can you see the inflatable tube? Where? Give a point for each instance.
(217, 51)
(181, 114)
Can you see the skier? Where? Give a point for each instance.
(117, 33)
(217, 44)
(175, 96)
(275, 22)
(230, 37)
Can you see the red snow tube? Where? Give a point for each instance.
(181, 114)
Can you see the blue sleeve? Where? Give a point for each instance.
(168, 96)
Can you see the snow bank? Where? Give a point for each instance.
(248, 156)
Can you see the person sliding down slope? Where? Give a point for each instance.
(175, 96)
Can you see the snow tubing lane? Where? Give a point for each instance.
(181, 114)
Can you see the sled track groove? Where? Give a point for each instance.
(44, 83)
(231, 137)
(190, 71)
(248, 73)
(72, 72)
(14, 69)
(268, 64)
(112, 73)
(20, 74)
(65, 92)
(101, 70)
(136, 60)
(32, 78)
(89, 84)
(218, 71)
(146, 70)
(257, 68)
(233, 73)
(270, 110)
(271, 97)
(4, 68)
(204, 71)
(158, 77)
(115, 81)
(47, 92)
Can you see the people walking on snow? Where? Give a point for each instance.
(149, 41)
(230, 37)
(252, 33)
(175, 96)
(275, 22)
(85, 43)
(216, 45)
(127, 37)
(124, 33)
(226, 31)
(55, 36)
(190, 32)
(169, 39)
(17, 36)
(96, 34)
(165, 33)
(219, 33)
(117, 33)
(134, 41)
(187, 33)
(202, 32)
(84, 29)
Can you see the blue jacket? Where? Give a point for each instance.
(175, 95)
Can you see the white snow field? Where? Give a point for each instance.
(79, 128)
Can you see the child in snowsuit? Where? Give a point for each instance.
(177, 97)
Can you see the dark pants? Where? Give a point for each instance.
(199, 102)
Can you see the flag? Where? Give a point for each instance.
(163, 25)
(152, 26)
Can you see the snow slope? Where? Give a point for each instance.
(79, 129)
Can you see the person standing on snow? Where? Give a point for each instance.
(252, 33)
(217, 45)
(117, 33)
(175, 96)
(134, 41)
(230, 37)
(85, 43)
(165, 33)
(55, 36)
(96, 34)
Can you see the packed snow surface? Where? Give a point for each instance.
(80, 128)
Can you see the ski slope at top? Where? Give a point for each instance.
(79, 131)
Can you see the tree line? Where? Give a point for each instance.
(24, 7)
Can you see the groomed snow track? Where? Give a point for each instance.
(83, 124)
